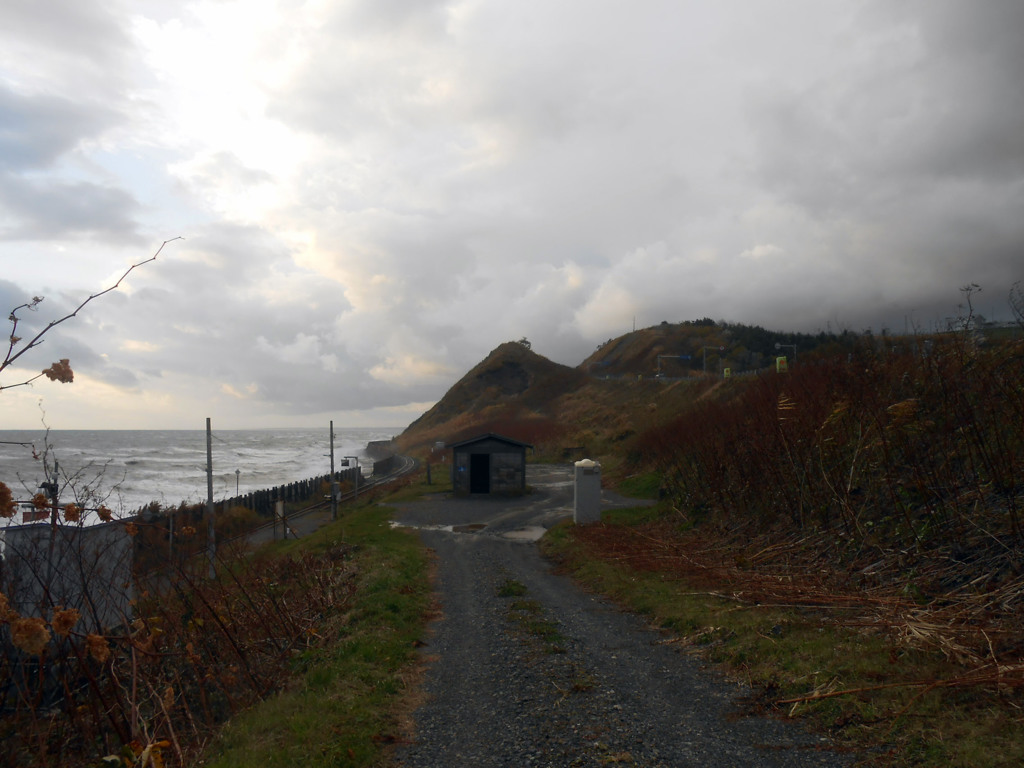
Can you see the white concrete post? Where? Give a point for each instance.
(587, 504)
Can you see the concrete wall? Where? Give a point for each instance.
(88, 568)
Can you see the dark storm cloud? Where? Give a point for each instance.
(791, 163)
(974, 57)
(939, 103)
(79, 49)
(50, 209)
(908, 140)
(37, 129)
(64, 86)
(11, 296)
(80, 30)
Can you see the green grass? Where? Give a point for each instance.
(417, 487)
(788, 653)
(528, 615)
(631, 515)
(511, 588)
(646, 485)
(343, 702)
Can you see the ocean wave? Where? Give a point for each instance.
(138, 467)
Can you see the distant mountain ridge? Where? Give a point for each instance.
(607, 398)
(699, 346)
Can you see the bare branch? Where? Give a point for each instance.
(36, 340)
(21, 383)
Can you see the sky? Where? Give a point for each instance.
(371, 195)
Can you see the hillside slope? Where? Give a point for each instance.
(613, 394)
(563, 412)
(509, 387)
(695, 347)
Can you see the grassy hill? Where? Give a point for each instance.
(513, 391)
(703, 346)
(597, 408)
(559, 410)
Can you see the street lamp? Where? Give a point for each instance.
(237, 473)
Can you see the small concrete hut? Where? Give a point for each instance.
(489, 464)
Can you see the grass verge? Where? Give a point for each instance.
(872, 692)
(342, 705)
(415, 485)
(530, 617)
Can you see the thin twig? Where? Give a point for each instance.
(38, 338)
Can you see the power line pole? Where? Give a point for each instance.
(334, 480)
(52, 489)
(211, 544)
(720, 349)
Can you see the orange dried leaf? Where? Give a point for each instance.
(30, 635)
(60, 371)
(7, 505)
(63, 620)
(6, 614)
(153, 755)
(98, 647)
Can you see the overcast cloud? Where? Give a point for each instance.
(375, 194)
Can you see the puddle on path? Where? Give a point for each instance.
(530, 533)
(471, 528)
(399, 524)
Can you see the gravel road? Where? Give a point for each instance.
(553, 676)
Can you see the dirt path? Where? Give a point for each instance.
(552, 676)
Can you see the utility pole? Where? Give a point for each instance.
(334, 480)
(211, 544)
(720, 349)
(52, 489)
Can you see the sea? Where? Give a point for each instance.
(129, 469)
